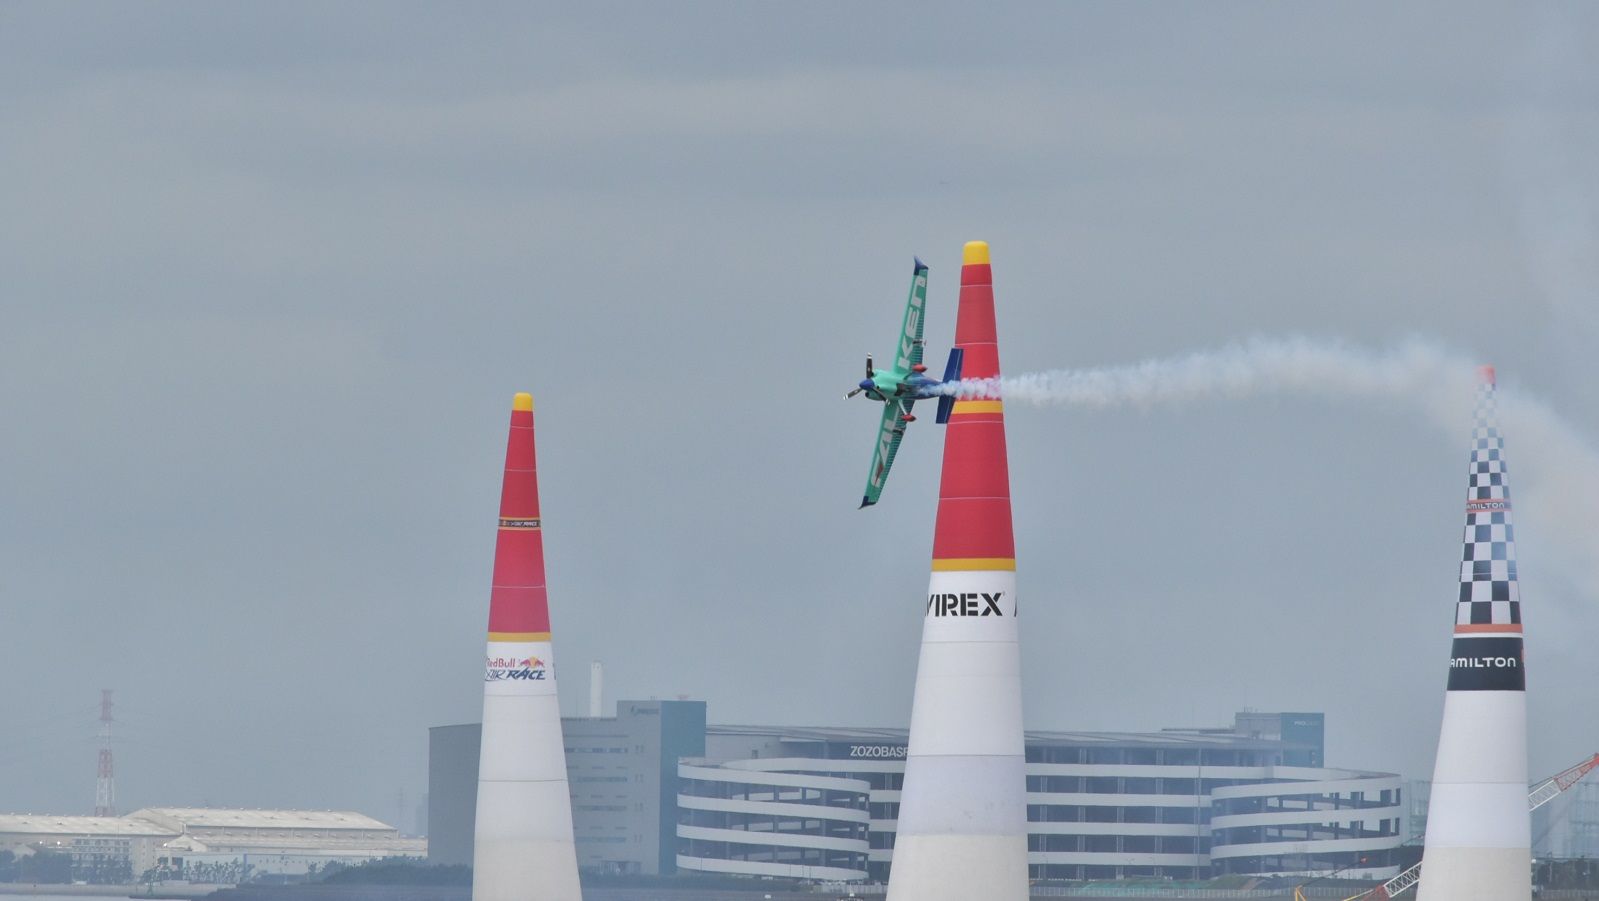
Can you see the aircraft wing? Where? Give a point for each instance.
(908, 342)
(889, 433)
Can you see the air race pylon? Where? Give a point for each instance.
(962, 831)
(524, 845)
(1478, 845)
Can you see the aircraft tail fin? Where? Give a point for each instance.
(952, 373)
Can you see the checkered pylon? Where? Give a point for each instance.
(1488, 590)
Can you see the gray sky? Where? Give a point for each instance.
(269, 276)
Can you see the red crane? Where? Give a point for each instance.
(1542, 793)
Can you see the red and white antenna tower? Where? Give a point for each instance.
(105, 785)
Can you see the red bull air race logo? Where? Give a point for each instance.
(527, 669)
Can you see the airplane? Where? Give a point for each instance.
(903, 385)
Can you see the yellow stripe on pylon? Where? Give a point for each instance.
(958, 564)
(978, 406)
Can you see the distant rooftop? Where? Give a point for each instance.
(227, 818)
(49, 824)
(1166, 739)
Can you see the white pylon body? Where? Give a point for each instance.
(523, 847)
(1479, 836)
(962, 827)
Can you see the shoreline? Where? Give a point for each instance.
(137, 890)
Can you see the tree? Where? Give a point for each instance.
(396, 871)
(45, 868)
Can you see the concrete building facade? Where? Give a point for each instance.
(1568, 826)
(119, 847)
(822, 803)
(179, 842)
(623, 776)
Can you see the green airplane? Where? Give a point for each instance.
(898, 388)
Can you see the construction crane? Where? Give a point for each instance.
(1545, 791)
(1541, 794)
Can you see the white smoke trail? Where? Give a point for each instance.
(1259, 366)
(1554, 468)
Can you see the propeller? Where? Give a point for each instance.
(866, 383)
